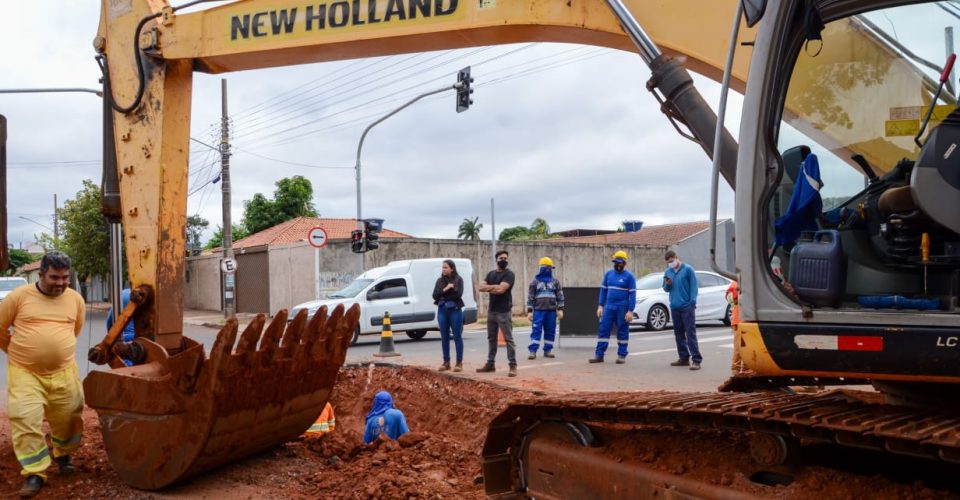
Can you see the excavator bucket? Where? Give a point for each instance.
(176, 416)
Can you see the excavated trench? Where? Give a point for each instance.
(441, 457)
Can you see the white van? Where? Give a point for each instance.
(404, 288)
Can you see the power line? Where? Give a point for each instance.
(289, 162)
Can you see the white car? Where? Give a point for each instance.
(7, 285)
(653, 304)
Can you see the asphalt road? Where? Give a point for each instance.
(647, 367)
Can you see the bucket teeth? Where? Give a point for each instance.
(271, 336)
(223, 346)
(312, 333)
(294, 332)
(251, 334)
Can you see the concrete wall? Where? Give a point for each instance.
(292, 275)
(202, 285)
(696, 249)
(292, 266)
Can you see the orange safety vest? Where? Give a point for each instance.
(733, 297)
(325, 423)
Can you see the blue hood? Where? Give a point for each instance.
(382, 402)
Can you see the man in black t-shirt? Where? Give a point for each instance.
(499, 284)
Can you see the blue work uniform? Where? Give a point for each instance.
(384, 419)
(618, 294)
(544, 299)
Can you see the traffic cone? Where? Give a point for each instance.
(386, 339)
(500, 340)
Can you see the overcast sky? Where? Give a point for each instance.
(564, 132)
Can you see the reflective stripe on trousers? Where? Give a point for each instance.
(613, 315)
(28, 393)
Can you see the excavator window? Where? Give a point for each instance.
(851, 223)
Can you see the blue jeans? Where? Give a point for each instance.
(685, 331)
(545, 323)
(613, 314)
(451, 322)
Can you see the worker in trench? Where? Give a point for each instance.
(384, 419)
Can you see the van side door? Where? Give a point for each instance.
(388, 295)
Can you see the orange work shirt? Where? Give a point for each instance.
(45, 328)
(733, 297)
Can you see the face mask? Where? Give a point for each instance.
(618, 267)
(674, 264)
(502, 264)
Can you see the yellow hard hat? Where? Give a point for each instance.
(620, 254)
(546, 261)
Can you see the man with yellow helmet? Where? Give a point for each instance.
(544, 307)
(618, 297)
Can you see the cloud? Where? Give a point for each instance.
(557, 131)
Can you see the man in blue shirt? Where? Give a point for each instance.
(128, 331)
(618, 297)
(384, 419)
(680, 281)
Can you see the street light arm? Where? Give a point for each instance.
(37, 223)
(401, 108)
(364, 136)
(99, 93)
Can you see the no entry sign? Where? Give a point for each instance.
(317, 237)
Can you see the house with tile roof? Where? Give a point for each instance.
(295, 230)
(689, 239)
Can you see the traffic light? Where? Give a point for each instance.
(356, 241)
(371, 238)
(463, 90)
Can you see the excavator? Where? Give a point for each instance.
(869, 297)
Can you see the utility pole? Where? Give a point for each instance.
(56, 223)
(493, 234)
(229, 278)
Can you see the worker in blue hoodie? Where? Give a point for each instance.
(544, 308)
(680, 281)
(618, 297)
(384, 419)
(128, 331)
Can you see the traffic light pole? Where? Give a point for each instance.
(364, 136)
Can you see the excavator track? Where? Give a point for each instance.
(533, 448)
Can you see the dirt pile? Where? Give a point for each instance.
(439, 458)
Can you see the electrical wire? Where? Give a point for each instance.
(289, 162)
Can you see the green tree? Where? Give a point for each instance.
(84, 234)
(469, 229)
(16, 259)
(195, 227)
(515, 233)
(539, 228)
(292, 198)
(238, 232)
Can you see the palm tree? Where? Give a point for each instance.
(469, 229)
(540, 228)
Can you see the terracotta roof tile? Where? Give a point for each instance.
(26, 268)
(663, 235)
(295, 230)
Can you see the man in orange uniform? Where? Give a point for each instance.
(325, 423)
(42, 375)
(733, 298)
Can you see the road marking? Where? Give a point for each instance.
(728, 346)
(542, 364)
(701, 341)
